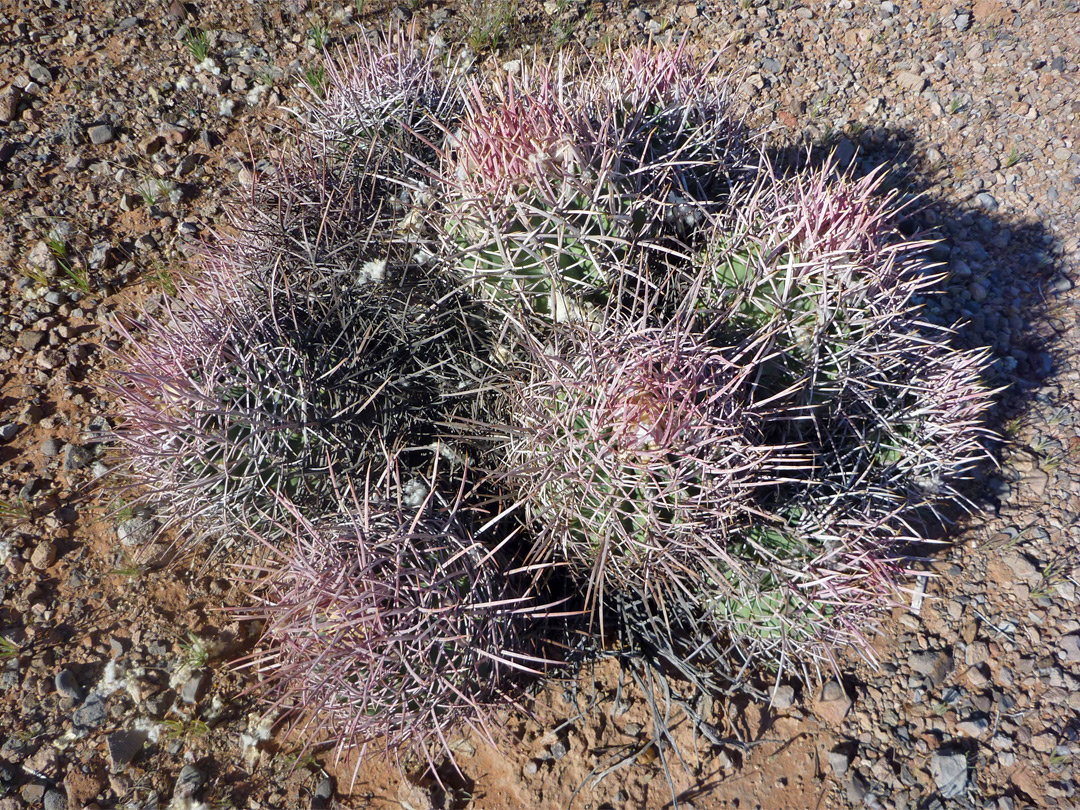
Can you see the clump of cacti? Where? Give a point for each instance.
(639, 450)
(241, 395)
(665, 368)
(389, 627)
(569, 189)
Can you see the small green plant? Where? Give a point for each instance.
(152, 189)
(17, 509)
(196, 652)
(77, 277)
(1052, 576)
(317, 35)
(955, 105)
(198, 44)
(1060, 757)
(163, 278)
(314, 77)
(266, 76)
(9, 650)
(494, 22)
(127, 567)
(1015, 156)
(179, 729)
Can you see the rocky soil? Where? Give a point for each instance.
(126, 131)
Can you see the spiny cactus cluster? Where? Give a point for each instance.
(389, 624)
(569, 321)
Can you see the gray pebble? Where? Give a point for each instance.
(44, 555)
(974, 727)
(839, 761)
(950, 773)
(92, 713)
(75, 457)
(770, 65)
(136, 531)
(783, 697)
(50, 448)
(857, 788)
(102, 133)
(934, 665)
(66, 684)
(8, 431)
(323, 793)
(55, 800)
(124, 746)
(30, 339)
(40, 73)
(986, 202)
(845, 152)
(99, 255)
(188, 783)
(189, 693)
(558, 750)
(157, 705)
(962, 22)
(1069, 649)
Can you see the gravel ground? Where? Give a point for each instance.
(126, 128)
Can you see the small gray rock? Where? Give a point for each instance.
(92, 713)
(43, 555)
(67, 686)
(833, 703)
(75, 457)
(950, 773)
(558, 750)
(783, 697)
(50, 448)
(189, 692)
(145, 242)
(323, 793)
(962, 21)
(986, 202)
(124, 746)
(29, 340)
(157, 705)
(770, 65)
(102, 133)
(974, 727)
(9, 104)
(935, 665)
(845, 153)
(188, 783)
(839, 761)
(8, 431)
(911, 82)
(99, 256)
(857, 788)
(1069, 649)
(55, 800)
(40, 73)
(136, 531)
